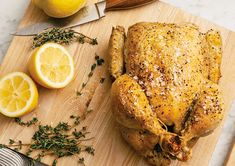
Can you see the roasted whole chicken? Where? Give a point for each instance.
(165, 92)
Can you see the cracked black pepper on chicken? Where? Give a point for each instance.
(165, 94)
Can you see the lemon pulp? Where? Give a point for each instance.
(18, 94)
(52, 66)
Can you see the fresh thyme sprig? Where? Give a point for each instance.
(28, 123)
(61, 36)
(98, 62)
(60, 141)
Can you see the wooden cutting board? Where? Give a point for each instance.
(230, 161)
(58, 105)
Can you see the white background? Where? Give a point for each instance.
(221, 12)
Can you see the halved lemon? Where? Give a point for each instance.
(18, 94)
(51, 66)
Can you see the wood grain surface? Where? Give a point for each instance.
(58, 105)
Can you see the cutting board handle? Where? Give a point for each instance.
(125, 4)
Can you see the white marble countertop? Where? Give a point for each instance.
(221, 12)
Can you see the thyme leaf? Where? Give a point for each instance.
(102, 80)
(81, 161)
(54, 162)
(90, 150)
(100, 62)
(11, 141)
(2, 146)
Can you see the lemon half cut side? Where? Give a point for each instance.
(51, 66)
(18, 94)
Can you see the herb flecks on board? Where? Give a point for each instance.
(98, 62)
(62, 36)
(60, 141)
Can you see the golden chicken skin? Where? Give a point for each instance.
(165, 92)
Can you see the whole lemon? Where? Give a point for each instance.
(60, 8)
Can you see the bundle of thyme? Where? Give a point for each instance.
(60, 141)
(61, 36)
